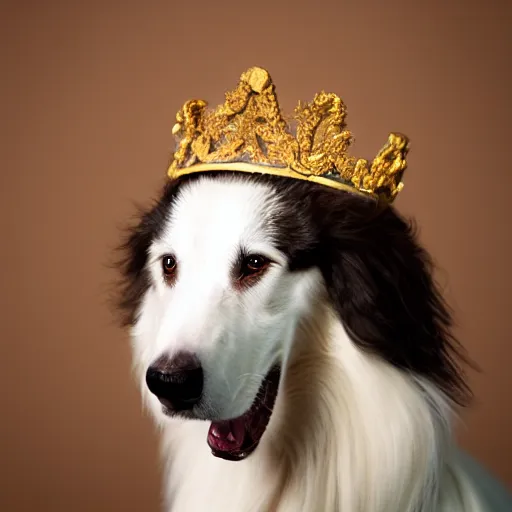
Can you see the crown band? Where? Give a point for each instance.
(249, 134)
(284, 172)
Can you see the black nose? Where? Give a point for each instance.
(177, 381)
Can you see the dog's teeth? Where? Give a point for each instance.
(230, 437)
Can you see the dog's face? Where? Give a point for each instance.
(220, 272)
(221, 299)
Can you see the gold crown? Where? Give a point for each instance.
(248, 133)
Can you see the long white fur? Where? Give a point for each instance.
(349, 432)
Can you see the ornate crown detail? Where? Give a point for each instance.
(249, 134)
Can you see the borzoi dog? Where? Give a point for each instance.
(294, 350)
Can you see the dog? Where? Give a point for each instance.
(296, 354)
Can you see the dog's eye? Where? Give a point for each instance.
(254, 264)
(251, 269)
(168, 265)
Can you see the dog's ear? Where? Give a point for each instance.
(381, 282)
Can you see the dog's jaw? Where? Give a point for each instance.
(237, 438)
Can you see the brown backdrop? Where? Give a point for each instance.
(90, 90)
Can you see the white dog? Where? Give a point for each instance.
(295, 352)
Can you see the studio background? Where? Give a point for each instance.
(89, 92)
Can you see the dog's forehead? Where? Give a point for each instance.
(220, 214)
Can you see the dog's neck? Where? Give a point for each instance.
(356, 433)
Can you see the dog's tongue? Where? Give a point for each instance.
(227, 436)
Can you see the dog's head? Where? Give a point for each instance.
(221, 270)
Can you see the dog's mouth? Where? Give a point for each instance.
(237, 438)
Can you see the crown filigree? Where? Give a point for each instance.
(248, 133)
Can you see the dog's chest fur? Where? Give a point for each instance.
(196, 481)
